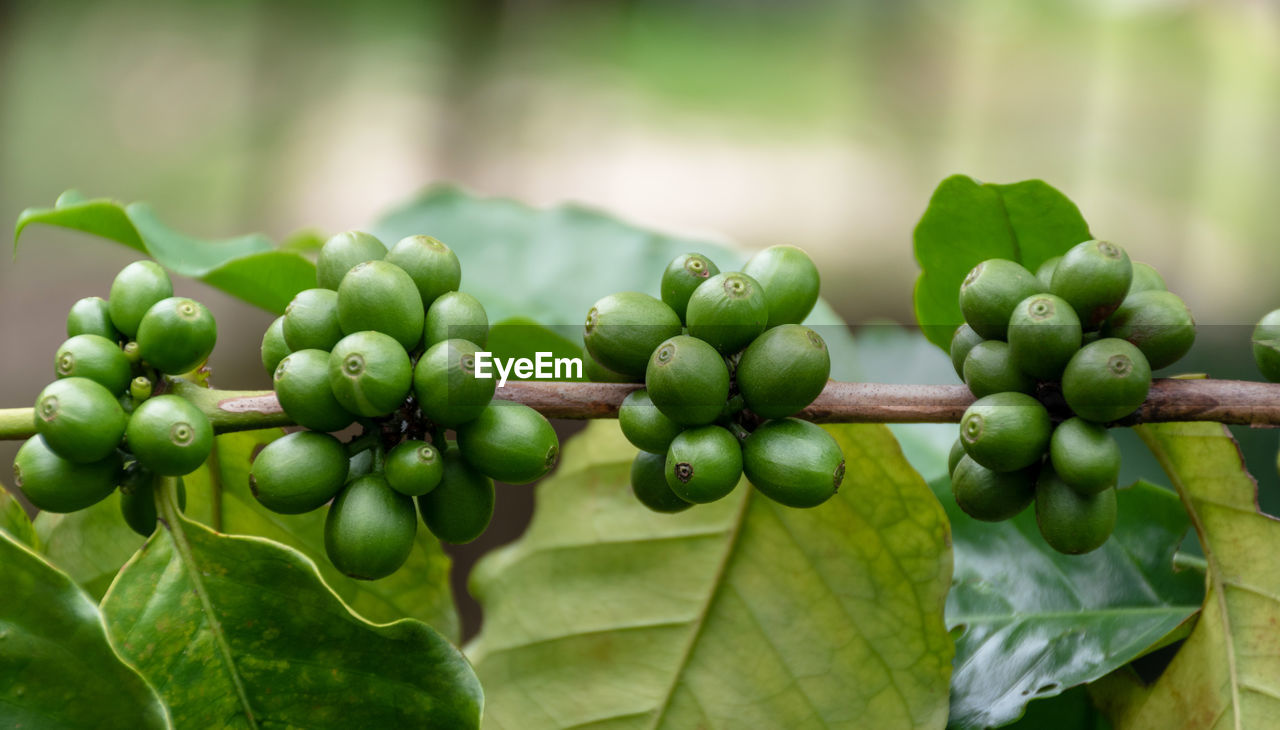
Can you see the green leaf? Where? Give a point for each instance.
(248, 267)
(522, 337)
(741, 613)
(419, 590)
(1030, 622)
(968, 222)
(90, 545)
(242, 632)
(1226, 675)
(14, 520)
(57, 668)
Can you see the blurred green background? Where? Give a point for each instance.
(821, 124)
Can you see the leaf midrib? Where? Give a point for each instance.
(173, 521)
(701, 619)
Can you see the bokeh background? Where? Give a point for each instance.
(816, 123)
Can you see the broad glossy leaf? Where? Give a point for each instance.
(1227, 674)
(56, 667)
(741, 613)
(242, 632)
(1030, 622)
(419, 590)
(90, 545)
(14, 520)
(968, 222)
(522, 337)
(249, 267)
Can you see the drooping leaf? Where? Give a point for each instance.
(90, 545)
(1030, 622)
(242, 632)
(968, 222)
(249, 267)
(741, 613)
(1227, 674)
(56, 667)
(1071, 710)
(419, 590)
(14, 520)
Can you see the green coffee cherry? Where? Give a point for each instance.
(992, 496)
(1044, 332)
(1106, 380)
(1266, 346)
(789, 280)
(379, 296)
(274, 348)
(1006, 431)
(962, 343)
(783, 370)
(432, 265)
(703, 464)
(728, 311)
(1044, 274)
(1094, 277)
(1157, 322)
(370, 373)
(445, 382)
(303, 389)
(597, 373)
(1145, 278)
(140, 389)
(54, 484)
(459, 509)
(370, 529)
(342, 253)
(793, 462)
(456, 315)
(299, 472)
(90, 316)
(1085, 455)
(953, 458)
(96, 358)
(509, 442)
(649, 484)
(624, 329)
(990, 293)
(138, 286)
(169, 435)
(682, 276)
(310, 321)
(688, 381)
(644, 425)
(414, 468)
(80, 419)
(1071, 522)
(990, 368)
(138, 499)
(176, 335)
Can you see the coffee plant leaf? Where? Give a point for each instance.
(1225, 675)
(14, 520)
(419, 590)
(967, 222)
(1030, 623)
(249, 267)
(242, 632)
(517, 337)
(57, 668)
(89, 545)
(740, 613)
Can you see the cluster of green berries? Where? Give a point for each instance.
(105, 422)
(1082, 335)
(387, 341)
(725, 362)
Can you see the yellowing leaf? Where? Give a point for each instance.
(738, 614)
